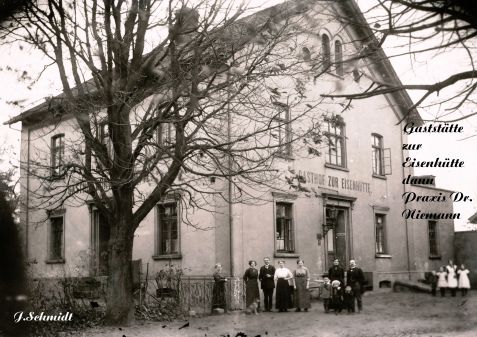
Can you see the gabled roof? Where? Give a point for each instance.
(361, 27)
(350, 10)
(473, 218)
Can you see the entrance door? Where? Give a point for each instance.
(337, 236)
(100, 239)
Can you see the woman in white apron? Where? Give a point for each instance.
(452, 277)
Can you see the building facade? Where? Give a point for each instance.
(346, 203)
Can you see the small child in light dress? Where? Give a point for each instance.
(452, 278)
(464, 283)
(442, 281)
(326, 294)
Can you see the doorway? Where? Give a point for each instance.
(337, 237)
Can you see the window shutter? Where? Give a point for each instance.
(387, 161)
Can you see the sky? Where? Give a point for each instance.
(14, 60)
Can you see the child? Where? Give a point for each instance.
(464, 283)
(336, 296)
(433, 282)
(326, 294)
(348, 299)
(442, 281)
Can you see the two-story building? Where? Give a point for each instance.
(346, 203)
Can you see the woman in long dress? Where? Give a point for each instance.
(301, 277)
(282, 298)
(442, 281)
(251, 284)
(452, 277)
(218, 292)
(464, 282)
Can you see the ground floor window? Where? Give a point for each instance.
(56, 238)
(168, 229)
(100, 243)
(433, 238)
(380, 223)
(284, 241)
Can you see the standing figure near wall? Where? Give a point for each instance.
(301, 278)
(442, 280)
(267, 283)
(452, 277)
(282, 298)
(464, 282)
(336, 272)
(218, 292)
(251, 284)
(355, 279)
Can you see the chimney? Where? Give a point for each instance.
(186, 24)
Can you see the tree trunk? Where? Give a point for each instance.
(119, 295)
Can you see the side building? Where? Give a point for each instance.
(465, 245)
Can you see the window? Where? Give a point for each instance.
(55, 249)
(101, 234)
(433, 238)
(166, 134)
(381, 157)
(104, 133)
(105, 138)
(380, 223)
(281, 131)
(377, 152)
(335, 135)
(57, 154)
(326, 50)
(168, 229)
(339, 58)
(284, 228)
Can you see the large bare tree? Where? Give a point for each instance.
(163, 97)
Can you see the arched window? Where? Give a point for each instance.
(326, 50)
(339, 58)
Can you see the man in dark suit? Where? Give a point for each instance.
(336, 272)
(355, 279)
(267, 282)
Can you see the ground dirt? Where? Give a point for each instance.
(385, 313)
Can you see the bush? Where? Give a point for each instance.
(53, 299)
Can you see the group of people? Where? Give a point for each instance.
(450, 277)
(292, 288)
(338, 294)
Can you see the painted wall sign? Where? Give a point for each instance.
(328, 181)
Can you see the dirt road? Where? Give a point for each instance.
(385, 314)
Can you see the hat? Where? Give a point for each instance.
(335, 283)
